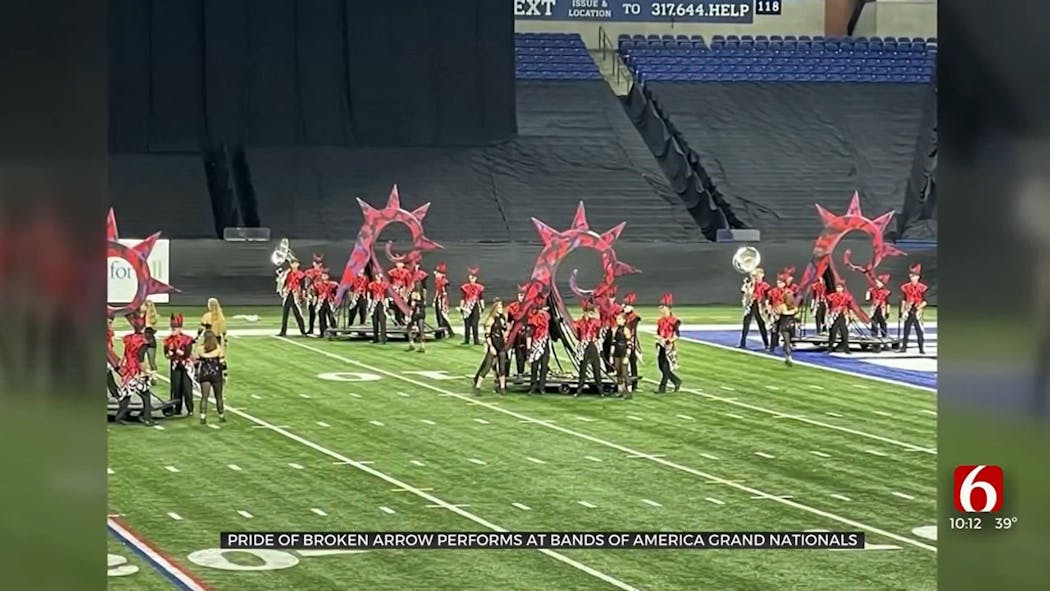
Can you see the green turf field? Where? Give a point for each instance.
(352, 436)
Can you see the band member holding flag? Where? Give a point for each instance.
(378, 300)
(634, 350)
(538, 343)
(514, 316)
(324, 300)
(840, 304)
(879, 297)
(135, 378)
(441, 299)
(178, 349)
(588, 329)
(471, 305)
(912, 305)
(755, 291)
(310, 278)
(290, 288)
(667, 332)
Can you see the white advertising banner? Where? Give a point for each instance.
(121, 282)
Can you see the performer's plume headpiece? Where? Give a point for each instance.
(473, 271)
(441, 268)
(915, 269)
(788, 272)
(136, 320)
(324, 270)
(885, 277)
(318, 258)
(176, 320)
(630, 298)
(667, 300)
(840, 283)
(522, 288)
(414, 257)
(586, 304)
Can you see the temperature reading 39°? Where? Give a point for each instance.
(1005, 522)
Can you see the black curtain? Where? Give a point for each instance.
(191, 73)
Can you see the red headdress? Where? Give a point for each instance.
(473, 271)
(915, 269)
(667, 300)
(782, 277)
(414, 257)
(318, 258)
(629, 298)
(440, 268)
(884, 278)
(136, 320)
(522, 288)
(176, 320)
(324, 270)
(587, 304)
(539, 301)
(841, 282)
(788, 272)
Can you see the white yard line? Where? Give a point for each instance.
(622, 448)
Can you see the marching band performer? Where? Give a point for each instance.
(667, 332)
(776, 297)
(377, 304)
(913, 303)
(290, 288)
(471, 305)
(211, 374)
(324, 300)
(149, 312)
(417, 311)
(588, 329)
(634, 351)
(879, 296)
(621, 350)
(214, 319)
(514, 311)
(441, 299)
(134, 378)
(840, 304)
(495, 350)
(400, 280)
(357, 304)
(819, 304)
(310, 278)
(608, 310)
(112, 361)
(178, 349)
(417, 276)
(538, 343)
(789, 281)
(755, 291)
(788, 314)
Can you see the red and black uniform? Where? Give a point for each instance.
(310, 278)
(759, 291)
(178, 349)
(377, 303)
(539, 347)
(880, 305)
(819, 303)
(134, 378)
(608, 311)
(441, 299)
(290, 282)
(912, 304)
(520, 344)
(840, 304)
(667, 331)
(400, 280)
(357, 304)
(112, 362)
(588, 331)
(776, 297)
(473, 302)
(634, 349)
(325, 304)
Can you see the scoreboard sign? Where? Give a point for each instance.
(710, 11)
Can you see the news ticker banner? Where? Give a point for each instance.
(541, 540)
(121, 281)
(619, 11)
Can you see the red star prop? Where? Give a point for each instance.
(138, 258)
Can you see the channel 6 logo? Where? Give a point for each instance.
(978, 489)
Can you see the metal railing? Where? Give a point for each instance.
(610, 50)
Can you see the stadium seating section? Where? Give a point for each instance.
(553, 56)
(780, 58)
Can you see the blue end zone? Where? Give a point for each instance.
(905, 368)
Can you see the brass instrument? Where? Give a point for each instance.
(281, 255)
(745, 260)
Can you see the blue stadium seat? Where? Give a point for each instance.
(775, 38)
(790, 38)
(746, 38)
(732, 38)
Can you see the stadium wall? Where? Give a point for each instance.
(241, 273)
(898, 18)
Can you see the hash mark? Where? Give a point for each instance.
(772, 387)
(175, 516)
(256, 397)
(403, 394)
(715, 501)
(245, 514)
(903, 496)
(883, 413)
(295, 466)
(593, 459)
(417, 463)
(820, 454)
(536, 460)
(816, 387)
(376, 423)
(109, 471)
(171, 468)
(729, 388)
(355, 394)
(234, 467)
(764, 455)
(585, 419)
(929, 412)
(586, 504)
(427, 421)
(841, 497)
(304, 396)
(685, 417)
(732, 415)
(477, 461)
(158, 427)
(387, 510)
(709, 456)
(653, 503)
(634, 418)
(876, 452)
(833, 414)
(482, 421)
(322, 424)
(522, 507)
(446, 506)
(319, 512)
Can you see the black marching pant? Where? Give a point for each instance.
(839, 331)
(665, 370)
(539, 370)
(753, 313)
(311, 318)
(415, 330)
(181, 389)
(787, 331)
(359, 311)
(498, 361)
(124, 409)
(327, 318)
(620, 365)
(209, 386)
(379, 323)
(290, 306)
(111, 384)
(774, 338)
(632, 360)
(521, 352)
(590, 360)
(607, 342)
(442, 321)
(912, 321)
(470, 326)
(822, 316)
(878, 323)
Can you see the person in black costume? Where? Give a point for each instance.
(622, 343)
(495, 350)
(211, 374)
(417, 313)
